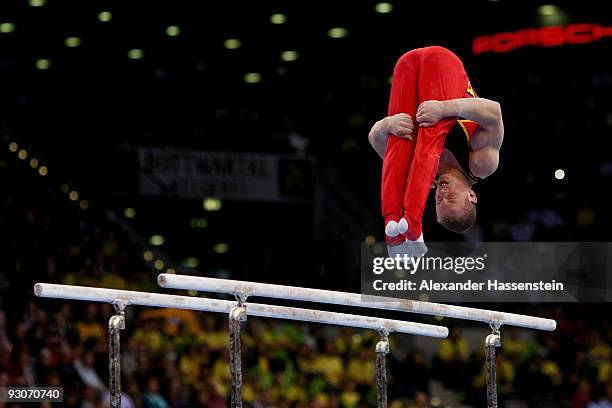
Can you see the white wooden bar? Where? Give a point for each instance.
(126, 297)
(351, 299)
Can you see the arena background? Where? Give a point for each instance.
(89, 91)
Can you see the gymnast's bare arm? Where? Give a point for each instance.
(399, 125)
(486, 142)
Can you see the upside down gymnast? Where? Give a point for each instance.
(458, 137)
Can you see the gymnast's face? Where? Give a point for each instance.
(453, 195)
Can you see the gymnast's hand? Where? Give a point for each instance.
(430, 112)
(399, 125)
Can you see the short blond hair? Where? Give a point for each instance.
(463, 222)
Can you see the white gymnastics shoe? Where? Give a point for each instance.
(402, 226)
(391, 229)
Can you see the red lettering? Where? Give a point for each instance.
(578, 34)
(582, 33)
(481, 44)
(527, 37)
(503, 42)
(552, 36)
(596, 32)
(606, 31)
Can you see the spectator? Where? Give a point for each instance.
(85, 369)
(605, 401)
(583, 395)
(152, 398)
(89, 327)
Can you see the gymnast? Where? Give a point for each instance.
(458, 137)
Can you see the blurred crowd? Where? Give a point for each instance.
(571, 367)
(179, 358)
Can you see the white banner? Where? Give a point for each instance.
(198, 174)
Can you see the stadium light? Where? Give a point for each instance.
(191, 263)
(252, 78)
(289, 56)
(135, 53)
(74, 195)
(221, 248)
(105, 16)
(548, 10)
(211, 204)
(157, 240)
(278, 18)
(198, 223)
(173, 31)
(72, 42)
(6, 28)
(43, 64)
(384, 8)
(337, 32)
(232, 43)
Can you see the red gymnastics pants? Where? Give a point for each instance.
(409, 166)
